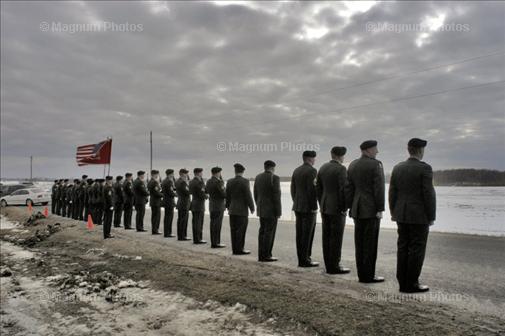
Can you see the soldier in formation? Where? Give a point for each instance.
(198, 197)
(169, 194)
(217, 194)
(154, 188)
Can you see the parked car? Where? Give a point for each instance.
(10, 188)
(26, 196)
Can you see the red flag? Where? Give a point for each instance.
(95, 153)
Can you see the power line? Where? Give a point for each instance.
(392, 100)
(414, 72)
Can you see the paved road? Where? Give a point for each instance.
(463, 270)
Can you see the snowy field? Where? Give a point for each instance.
(471, 210)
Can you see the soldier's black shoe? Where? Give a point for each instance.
(109, 236)
(185, 239)
(201, 242)
(415, 289)
(309, 264)
(218, 246)
(119, 226)
(156, 233)
(340, 270)
(373, 280)
(141, 230)
(269, 259)
(170, 236)
(128, 228)
(244, 252)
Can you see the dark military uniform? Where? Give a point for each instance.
(197, 190)
(412, 202)
(140, 193)
(99, 202)
(267, 194)
(183, 205)
(303, 194)
(81, 199)
(54, 189)
(365, 197)
(92, 198)
(330, 187)
(69, 191)
(86, 197)
(239, 201)
(108, 206)
(128, 199)
(217, 195)
(118, 202)
(155, 203)
(63, 200)
(76, 200)
(168, 189)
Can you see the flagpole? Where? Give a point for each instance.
(151, 151)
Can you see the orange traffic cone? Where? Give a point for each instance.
(30, 209)
(46, 212)
(90, 223)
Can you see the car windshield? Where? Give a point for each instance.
(36, 191)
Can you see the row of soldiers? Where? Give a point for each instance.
(360, 189)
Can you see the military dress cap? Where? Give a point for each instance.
(183, 171)
(109, 178)
(75, 180)
(55, 181)
(269, 164)
(119, 178)
(154, 172)
(101, 180)
(215, 170)
(368, 144)
(416, 142)
(339, 150)
(89, 181)
(239, 168)
(65, 180)
(169, 171)
(84, 177)
(128, 174)
(140, 172)
(309, 153)
(197, 170)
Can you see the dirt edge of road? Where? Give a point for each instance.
(300, 302)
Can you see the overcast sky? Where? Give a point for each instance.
(285, 76)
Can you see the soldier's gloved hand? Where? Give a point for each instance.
(431, 223)
(379, 215)
(111, 208)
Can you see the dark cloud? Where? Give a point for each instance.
(198, 74)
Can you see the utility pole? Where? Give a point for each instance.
(151, 143)
(31, 168)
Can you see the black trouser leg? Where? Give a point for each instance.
(238, 228)
(139, 218)
(333, 233)
(366, 237)
(85, 213)
(197, 224)
(305, 228)
(182, 224)
(118, 211)
(99, 214)
(53, 205)
(127, 217)
(167, 220)
(266, 237)
(63, 209)
(107, 222)
(155, 219)
(216, 221)
(412, 240)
